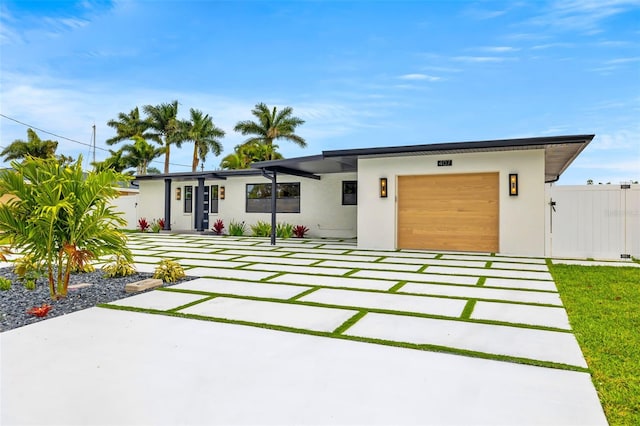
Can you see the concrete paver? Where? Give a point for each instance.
(160, 300)
(297, 316)
(241, 288)
(364, 284)
(522, 314)
(479, 292)
(488, 272)
(388, 301)
(522, 284)
(425, 277)
(520, 266)
(241, 274)
(298, 269)
(488, 258)
(543, 345)
(370, 265)
(277, 260)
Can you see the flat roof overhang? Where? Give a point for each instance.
(560, 151)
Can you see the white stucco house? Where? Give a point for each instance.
(484, 196)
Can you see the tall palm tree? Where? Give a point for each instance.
(33, 147)
(272, 124)
(127, 126)
(204, 134)
(140, 153)
(117, 161)
(167, 128)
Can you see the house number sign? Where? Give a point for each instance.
(444, 163)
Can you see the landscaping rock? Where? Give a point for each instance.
(142, 285)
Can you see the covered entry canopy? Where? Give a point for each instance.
(560, 151)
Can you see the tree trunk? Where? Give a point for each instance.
(166, 158)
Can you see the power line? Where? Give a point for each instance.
(76, 141)
(50, 133)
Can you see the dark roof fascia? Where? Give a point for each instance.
(218, 174)
(286, 161)
(460, 146)
(290, 171)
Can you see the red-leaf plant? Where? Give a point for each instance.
(218, 226)
(161, 223)
(40, 311)
(300, 230)
(143, 225)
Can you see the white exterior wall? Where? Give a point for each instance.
(321, 208)
(593, 221)
(522, 217)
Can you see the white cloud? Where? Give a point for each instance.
(480, 59)
(582, 15)
(418, 77)
(499, 49)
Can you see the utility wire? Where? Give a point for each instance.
(76, 141)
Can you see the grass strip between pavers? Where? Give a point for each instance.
(350, 322)
(304, 293)
(468, 309)
(357, 308)
(482, 280)
(406, 345)
(397, 287)
(188, 305)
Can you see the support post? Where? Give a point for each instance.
(274, 190)
(167, 204)
(199, 205)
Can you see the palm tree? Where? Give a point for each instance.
(271, 125)
(204, 134)
(33, 147)
(117, 162)
(140, 153)
(163, 119)
(127, 126)
(247, 153)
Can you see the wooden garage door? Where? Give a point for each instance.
(448, 212)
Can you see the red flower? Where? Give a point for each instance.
(40, 311)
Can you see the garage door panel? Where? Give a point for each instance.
(448, 212)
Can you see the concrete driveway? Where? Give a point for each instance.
(308, 332)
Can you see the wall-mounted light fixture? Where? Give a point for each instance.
(178, 193)
(383, 187)
(513, 184)
(222, 193)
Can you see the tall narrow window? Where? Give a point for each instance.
(214, 198)
(188, 199)
(349, 192)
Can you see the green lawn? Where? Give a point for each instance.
(603, 304)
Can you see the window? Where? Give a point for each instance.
(214, 198)
(188, 196)
(349, 192)
(259, 198)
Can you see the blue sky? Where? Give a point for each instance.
(360, 73)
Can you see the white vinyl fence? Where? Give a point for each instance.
(593, 221)
(128, 204)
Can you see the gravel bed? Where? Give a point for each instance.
(15, 302)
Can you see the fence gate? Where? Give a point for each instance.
(593, 221)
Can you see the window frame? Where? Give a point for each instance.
(188, 199)
(292, 206)
(355, 193)
(214, 199)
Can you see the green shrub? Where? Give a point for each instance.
(168, 271)
(5, 284)
(30, 284)
(156, 226)
(261, 229)
(84, 268)
(27, 268)
(120, 266)
(284, 230)
(61, 215)
(237, 229)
